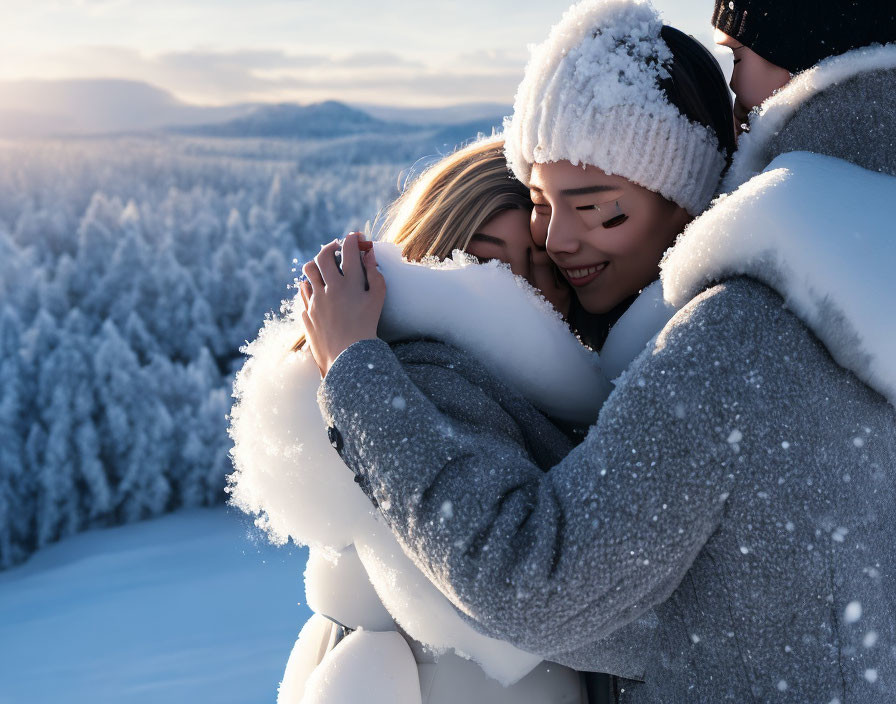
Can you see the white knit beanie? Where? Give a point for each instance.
(591, 95)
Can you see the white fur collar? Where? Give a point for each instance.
(819, 230)
(775, 112)
(501, 321)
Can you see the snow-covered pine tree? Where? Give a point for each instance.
(135, 428)
(14, 519)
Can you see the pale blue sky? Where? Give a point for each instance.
(222, 51)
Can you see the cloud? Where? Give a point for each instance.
(417, 88)
(215, 77)
(494, 59)
(377, 59)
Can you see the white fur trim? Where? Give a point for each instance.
(638, 325)
(815, 229)
(501, 321)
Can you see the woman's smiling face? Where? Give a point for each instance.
(605, 233)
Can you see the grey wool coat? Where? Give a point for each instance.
(739, 481)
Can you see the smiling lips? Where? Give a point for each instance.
(584, 275)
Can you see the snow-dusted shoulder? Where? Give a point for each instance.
(813, 228)
(290, 476)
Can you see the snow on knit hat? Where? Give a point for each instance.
(591, 95)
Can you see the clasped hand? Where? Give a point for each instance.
(341, 308)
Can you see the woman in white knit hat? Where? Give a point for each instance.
(622, 129)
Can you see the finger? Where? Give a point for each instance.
(326, 262)
(305, 292)
(364, 244)
(375, 279)
(309, 337)
(309, 326)
(351, 261)
(312, 273)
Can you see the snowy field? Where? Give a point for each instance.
(191, 607)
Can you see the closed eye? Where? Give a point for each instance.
(614, 221)
(586, 207)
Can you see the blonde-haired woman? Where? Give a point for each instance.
(381, 632)
(470, 201)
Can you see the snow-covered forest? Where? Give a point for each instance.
(132, 269)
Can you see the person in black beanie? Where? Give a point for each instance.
(772, 40)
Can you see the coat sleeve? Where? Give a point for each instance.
(549, 561)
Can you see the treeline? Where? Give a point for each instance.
(131, 271)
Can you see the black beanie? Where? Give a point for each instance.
(797, 34)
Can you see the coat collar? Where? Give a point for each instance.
(819, 231)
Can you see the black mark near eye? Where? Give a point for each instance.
(616, 220)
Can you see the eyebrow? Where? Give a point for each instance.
(586, 190)
(488, 238)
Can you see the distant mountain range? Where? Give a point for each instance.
(97, 106)
(450, 115)
(110, 106)
(288, 120)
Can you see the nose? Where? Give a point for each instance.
(563, 234)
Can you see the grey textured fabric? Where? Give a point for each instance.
(738, 481)
(758, 505)
(458, 386)
(852, 120)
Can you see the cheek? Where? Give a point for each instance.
(638, 246)
(629, 243)
(743, 80)
(538, 227)
(620, 242)
(754, 80)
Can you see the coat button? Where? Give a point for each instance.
(335, 438)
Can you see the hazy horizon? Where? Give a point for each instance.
(231, 51)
